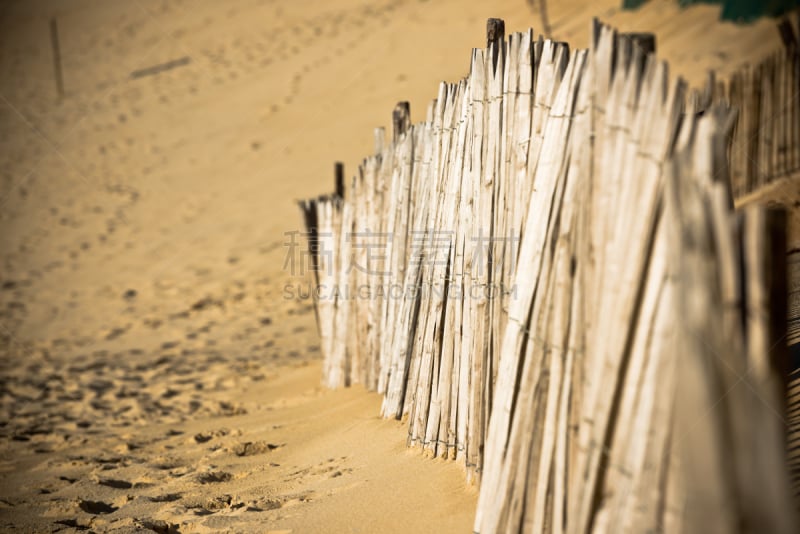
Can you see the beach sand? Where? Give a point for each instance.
(159, 369)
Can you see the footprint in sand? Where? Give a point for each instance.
(251, 448)
(213, 477)
(204, 437)
(73, 523)
(57, 485)
(166, 497)
(112, 461)
(159, 526)
(115, 483)
(166, 463)
(297, 498)
(97, 507)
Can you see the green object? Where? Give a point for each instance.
(632, 4)
(736, 10)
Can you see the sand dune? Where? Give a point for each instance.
(154, 373)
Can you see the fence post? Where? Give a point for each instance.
(401, 119)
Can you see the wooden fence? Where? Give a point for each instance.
(766, 138)
(547, 278)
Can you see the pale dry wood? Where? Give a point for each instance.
(370, 244)
(633, 238)
(439, 250)
(564, 456)
(339, 375)
(396, 230)
(442, 343)
(557, 344)
(602, 69)
(362, 225)
(561, 338)
(547, 194)
(582, 159)
(601, 53)
(586, 354)
(620, 110)
(524, 114)
(632, 414)
(475, 262)
(449, 422)
(397, 373)
(641, 511)
(507, 86)
(424, 283)
(376, 261)
(327, 277)
(449, 390)
(442, 247)
(481, 270)
(624, 456)
(708, 475)
(492, 230)
(353, 347)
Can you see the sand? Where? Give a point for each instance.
(286, 456)
(158, 369)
